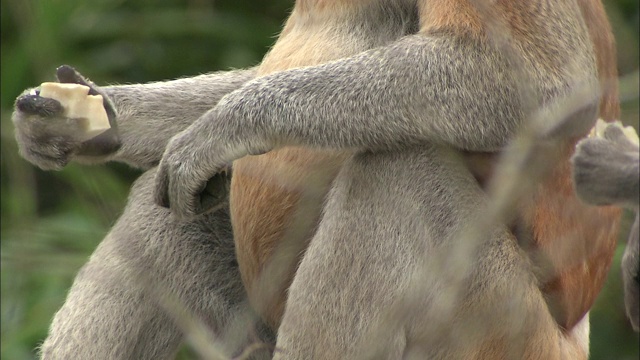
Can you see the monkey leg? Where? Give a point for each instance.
(148, 271)
(390, 273)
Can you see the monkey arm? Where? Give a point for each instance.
(443, 89)
(418, 89)
(451, 90)
(150, 114)
(144, 117)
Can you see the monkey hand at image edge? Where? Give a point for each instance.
(49, 139)
(606, 172)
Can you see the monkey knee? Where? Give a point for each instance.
(102, 315)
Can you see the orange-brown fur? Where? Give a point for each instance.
(577, 240)
(267, 190)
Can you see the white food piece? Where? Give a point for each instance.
(78, 104)
(629, 131)
(598, 129)
(631, 134)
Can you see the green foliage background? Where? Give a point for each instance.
(52, 221)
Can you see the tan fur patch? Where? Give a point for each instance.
(267, 190)
(268, 193)
(579, 239)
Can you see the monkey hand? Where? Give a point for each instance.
(49, 137)
(605, 166)
(193, 175)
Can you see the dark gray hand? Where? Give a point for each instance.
(47, 138)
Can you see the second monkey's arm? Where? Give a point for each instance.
(430, 87)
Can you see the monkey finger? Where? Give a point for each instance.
(591, 147)
(37, 105)
(177, 186)
(215, 193)
(183, 195)
(613, 133)
(104, 144)
(616, 134)
(44, 153)
(67, 74)
(161, 194)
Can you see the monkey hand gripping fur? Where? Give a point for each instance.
(606, 172)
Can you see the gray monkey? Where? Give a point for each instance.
(107, 314)
(113, 310)
(405, 110)
(605, 172)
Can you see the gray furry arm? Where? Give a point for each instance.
(435, 89)
(418, 89)
(148, 115)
